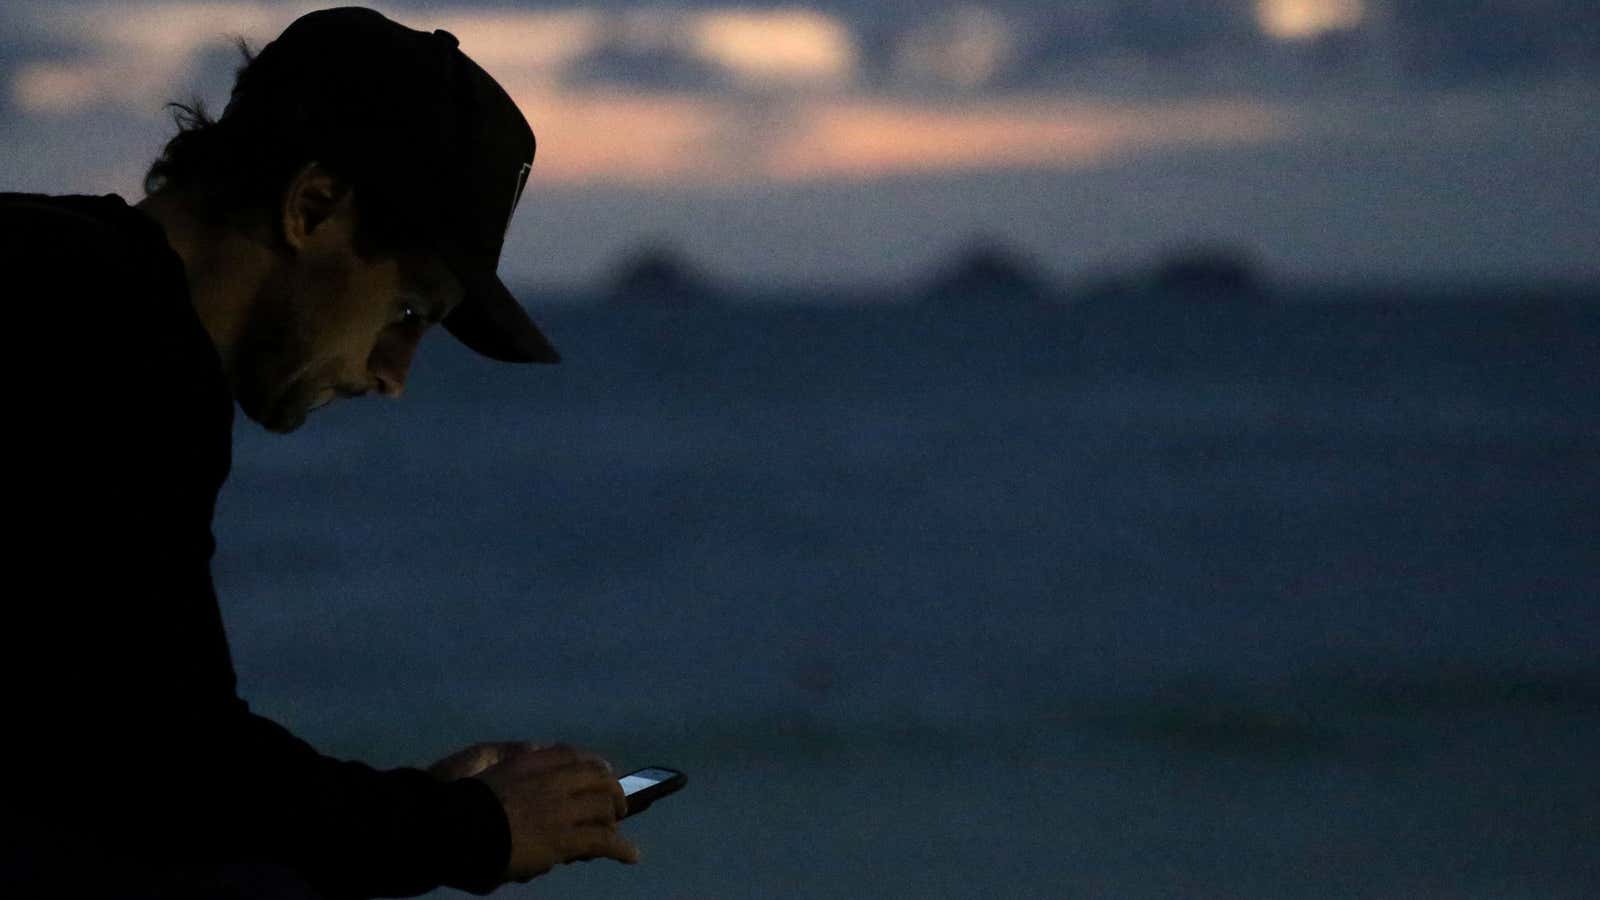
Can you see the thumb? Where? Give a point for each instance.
(623, 850)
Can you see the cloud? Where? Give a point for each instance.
(139, 54)
(964, 47)
(645, 67)
(610, 136)
(718, 49)
(777, 46)
(687, 140)
(136, 54)
(854, 137)
(536, 43)
(130, 57)
(1496, 40)
(1300, 20)
(703, 97)
(863, 139)
(1492, 186)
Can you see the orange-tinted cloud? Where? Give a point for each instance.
(809, 121)
(867, 138)
(619, 137)
(57, 88)
(1298, 20)
(796, 45)
(696, 140)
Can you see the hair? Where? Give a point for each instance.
(236, 168)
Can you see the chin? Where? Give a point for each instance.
(283, 417)
(285, 426)
(280, 424)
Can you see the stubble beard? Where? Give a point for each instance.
(273, 359)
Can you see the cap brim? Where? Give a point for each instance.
(491, 321)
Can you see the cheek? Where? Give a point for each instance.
(394, 351)
(345, 323)
(356, 324)
(276, 345)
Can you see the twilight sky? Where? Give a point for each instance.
(864, 141)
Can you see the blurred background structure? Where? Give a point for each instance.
(1033, 448)
(859, 141)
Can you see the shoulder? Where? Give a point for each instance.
(40, 228)
(104, 300)
(73, 260)
(82, 259)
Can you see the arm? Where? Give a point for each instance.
(350, 829)
(143, 697)
(127, 741)
(130, 747)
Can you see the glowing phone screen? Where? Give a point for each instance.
(634, 783)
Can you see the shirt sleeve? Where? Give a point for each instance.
(352, 830)
(127, 741)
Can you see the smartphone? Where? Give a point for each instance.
(645, 786)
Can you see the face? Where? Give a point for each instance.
(327, 323)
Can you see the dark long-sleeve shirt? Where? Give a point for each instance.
(126, 746)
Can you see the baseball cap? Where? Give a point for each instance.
(428, 129)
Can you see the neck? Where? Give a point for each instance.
(224, 268)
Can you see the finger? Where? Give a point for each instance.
(592, 808)
(542, 870)
(619, 800)
(502, 750)
(456, 765)
(588, 842)
(474, 759)
(531, 757)
(578, 776)
(535, 758)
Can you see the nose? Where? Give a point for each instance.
(389, 364)
(390, 387)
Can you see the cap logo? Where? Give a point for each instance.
(516, 196)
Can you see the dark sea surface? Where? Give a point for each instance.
(1119, 599)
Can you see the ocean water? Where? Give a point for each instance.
(1123, 600)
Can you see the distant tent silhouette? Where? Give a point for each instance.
(658, 276)
(1209, 272)
(988, 272)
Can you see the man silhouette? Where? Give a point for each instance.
(355, 190)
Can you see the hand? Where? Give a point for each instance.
(563, 805)
(474, 759)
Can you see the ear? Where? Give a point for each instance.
(313, 198)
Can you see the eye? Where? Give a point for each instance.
(410, 316)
